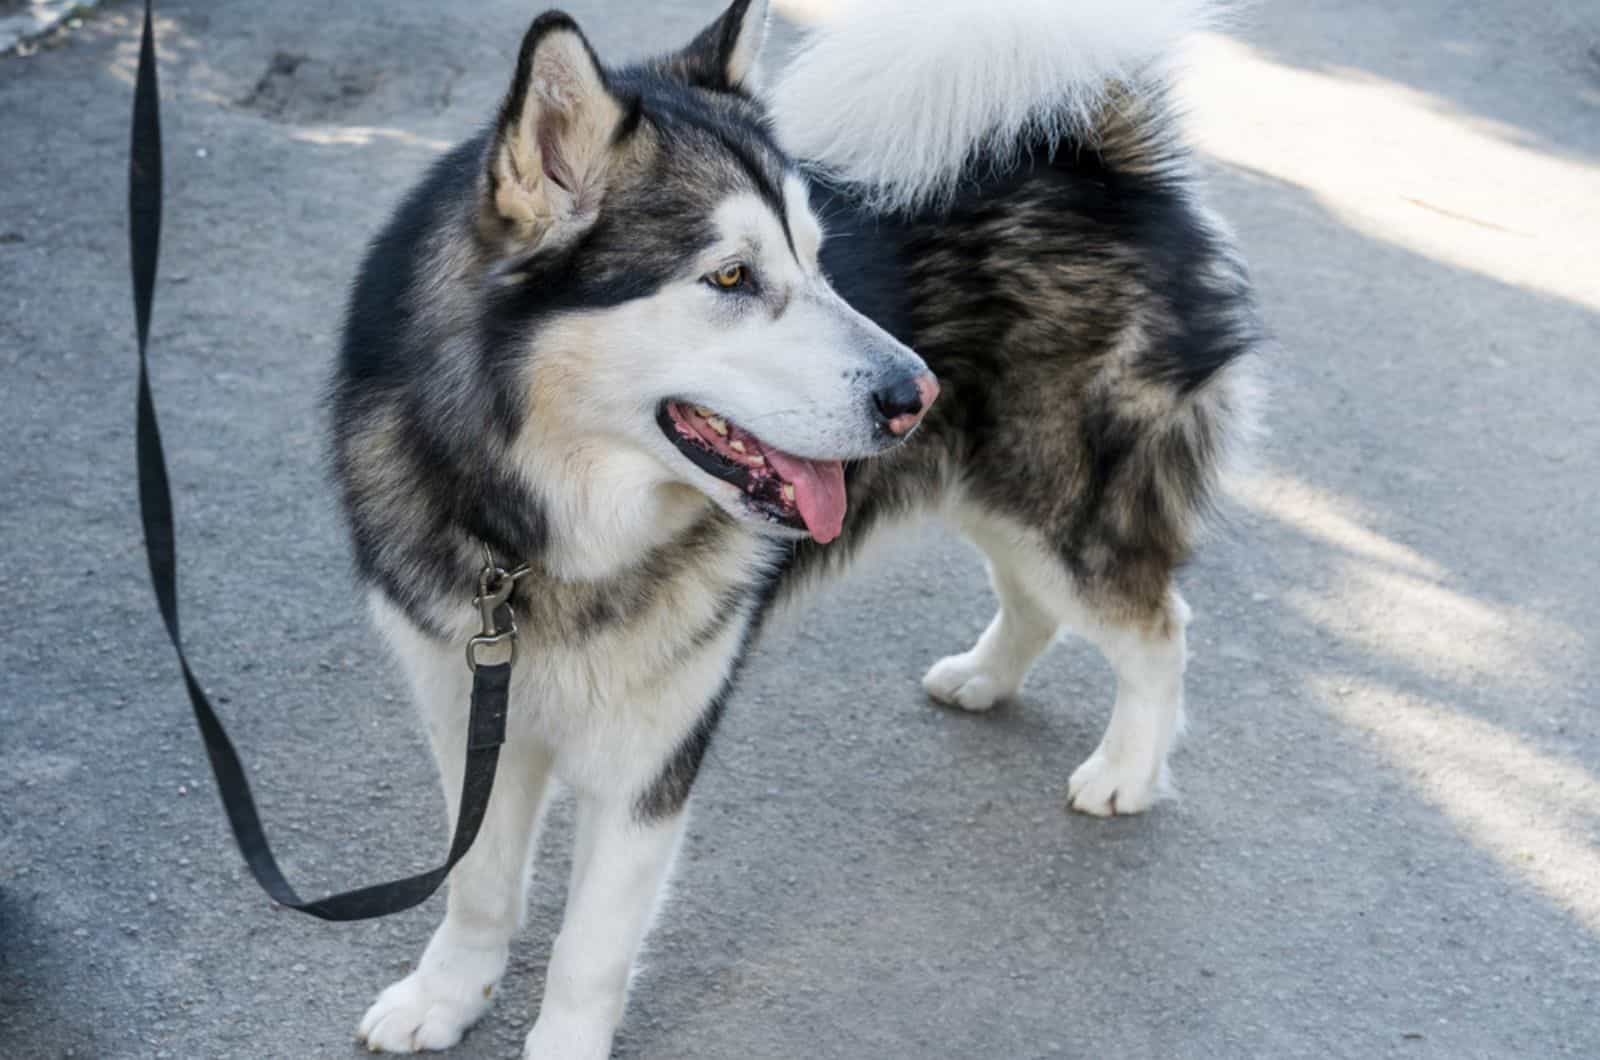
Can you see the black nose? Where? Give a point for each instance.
(902, 403)
(901, 398)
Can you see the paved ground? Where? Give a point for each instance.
(1389, 841)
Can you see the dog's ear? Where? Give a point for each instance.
(555, 137)
(723, 57)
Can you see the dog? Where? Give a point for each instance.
(609, 339)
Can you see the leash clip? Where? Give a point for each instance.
(498, 623)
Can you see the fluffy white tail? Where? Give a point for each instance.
(897, 95)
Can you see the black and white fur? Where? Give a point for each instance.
(1005, 194)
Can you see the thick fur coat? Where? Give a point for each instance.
(674, 344)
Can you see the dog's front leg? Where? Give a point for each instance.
(454, 981)
(451, 986)
(618, 866)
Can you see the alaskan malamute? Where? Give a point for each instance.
(609, 339)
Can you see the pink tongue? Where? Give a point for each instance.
(818, 492)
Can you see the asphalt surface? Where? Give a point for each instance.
(1388, 841)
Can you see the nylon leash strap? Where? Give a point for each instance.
(490, 682)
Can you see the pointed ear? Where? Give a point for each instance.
(554, 139)
(723, 57)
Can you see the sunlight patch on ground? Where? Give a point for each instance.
(1534, 812)
(1328, 518)
(1394, 602)
(362, 135)
(1401, 166)
(1434, 629)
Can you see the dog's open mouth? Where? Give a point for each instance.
(782, 487)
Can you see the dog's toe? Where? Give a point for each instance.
(962, 681)
(1106, 787)
(414, 1016)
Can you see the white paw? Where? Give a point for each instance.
(568, 1036)
(423, 1012)
(963, 681)
(1107, 787)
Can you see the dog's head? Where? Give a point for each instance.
(655, 281)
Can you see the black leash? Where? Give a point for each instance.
(486, 724)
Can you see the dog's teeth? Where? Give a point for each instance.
(718, 424)
(736, 445)
(788, 492)
(758, 460)
(703, 413)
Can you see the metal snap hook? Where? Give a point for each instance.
(498, 625)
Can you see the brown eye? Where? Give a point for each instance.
(728, 277)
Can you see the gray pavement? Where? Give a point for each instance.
(1388, 842)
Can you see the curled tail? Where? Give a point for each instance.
(898, 97)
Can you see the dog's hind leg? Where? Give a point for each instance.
(453, 982)
(1023, 627)
(1128, 770)
(1144, 644)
